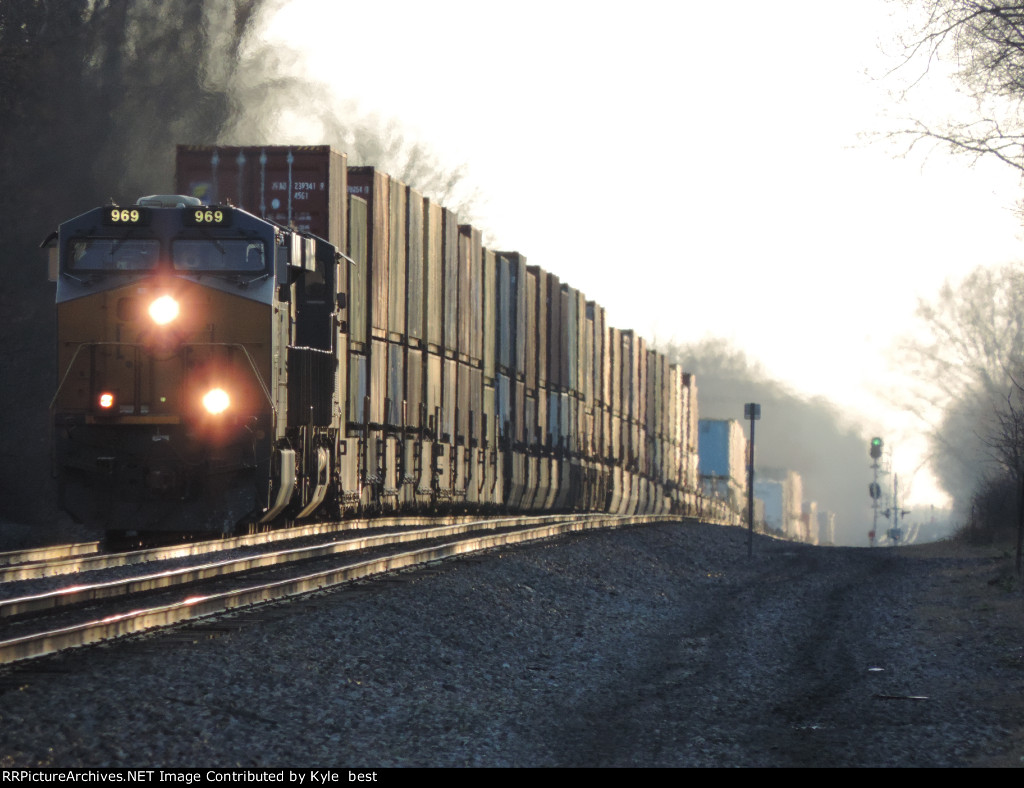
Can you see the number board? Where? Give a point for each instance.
(208, 216)
(113, 216)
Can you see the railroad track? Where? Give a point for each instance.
(48, 554)
(77, 558)
(56, 603)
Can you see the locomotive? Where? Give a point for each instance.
(291, 338)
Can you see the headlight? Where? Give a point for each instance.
(164, 310)
(216, 401)
(106, 400)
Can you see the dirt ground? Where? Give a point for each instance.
(657, 646)
(977, 602)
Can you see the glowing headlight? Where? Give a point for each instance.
(163, 310)
(216, 401)
(106, 400)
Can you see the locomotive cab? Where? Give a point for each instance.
(196, 367)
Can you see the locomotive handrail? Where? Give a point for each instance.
(137, 345)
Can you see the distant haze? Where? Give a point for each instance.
(808, 436)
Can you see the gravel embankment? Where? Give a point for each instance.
(653, 646)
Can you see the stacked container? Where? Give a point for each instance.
(472, 378)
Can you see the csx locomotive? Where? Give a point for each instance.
(219, 371)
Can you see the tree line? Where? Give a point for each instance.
(94, 97)
(964, 368)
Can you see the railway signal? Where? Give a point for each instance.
(874, 489)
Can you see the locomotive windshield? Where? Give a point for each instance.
(114, 254)
(218, 255)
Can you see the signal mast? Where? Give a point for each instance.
(874, 489)
(894, 533)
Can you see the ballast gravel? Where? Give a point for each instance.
(652, 646)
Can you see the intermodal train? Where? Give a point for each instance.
(283, 337)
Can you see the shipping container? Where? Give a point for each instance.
(450, 266)
(489, 316)
(540, 422)
(677, 437)
(792, 498)
(446, 338)
(568, 339)
(503, 409)
(640, 417)
(373, 186)
(519, 424)
(492, 457)
(589, 388)
(574, 363)
(433, 249)
(296, 186)
(416, 286)
(398, 217)
(378, 382)
(506, 316)
(529, 334)
(358, 276)
(809, 522)
(613, 350)
(722, 452)
(554, 420)
(433, 387)
(358, 390)
(449, 400)
(464, 403)
(521, 336)
(414, 381)
(692, 418)
(554, 339)
(471, 302)
(395, 415)
(773, 495)
(476, 407)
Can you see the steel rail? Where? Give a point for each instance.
(78, 594)
(196, 607)
(88, 563)
(51, 553)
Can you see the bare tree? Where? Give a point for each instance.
(94, 96)
(984, 42)
(1007, 446)
(956, 367)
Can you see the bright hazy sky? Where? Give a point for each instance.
(697, 168)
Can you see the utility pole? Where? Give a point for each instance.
(752, 411)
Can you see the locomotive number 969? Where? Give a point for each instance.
(208, 216)
(125, 217)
